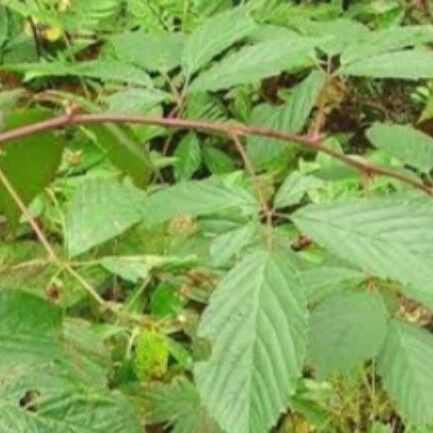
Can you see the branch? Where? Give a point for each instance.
(314, 142)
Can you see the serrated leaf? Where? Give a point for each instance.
(84, 411)
(136, 101)
(215, 35)
(196, 198)
(410, 146)
(254, 63)
(135, 268)
(49, 382)
(124, 152)
(294, 187)
(327, 279)
(385, 40)
(100, 209)
(217, 161)
(105, 70)
(178, 405)
(333, 35)
(188, 154)
(256, 324)
(29, 163)
(290, 117)
(406, 65)
(229, 244)
(346, 330)
(157, 52)
(405, 365)
(386, 237)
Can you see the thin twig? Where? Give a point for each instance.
(251, 170)
(309, 142)
(52, 256)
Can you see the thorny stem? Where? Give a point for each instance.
(311, 142)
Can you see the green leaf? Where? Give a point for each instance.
(294, 188)
(406, 65)
(256, 62)
(328, 279)
(50, 382)
(135, 268)
(405, 143)
(29, 163)
(405, 366)
(333, 35)
(105, 70)
(178, 405)
(217, 161)
(101, 209)
(386, 237)
(157, 51)
(346, 330)
(82, 411)
(4, 27)
(214, 36)
(188, 154)
(124, 152)
(230, 244)
(195, 198)
(290, 117)
(384, 40)
(136, 101)
(256, 323)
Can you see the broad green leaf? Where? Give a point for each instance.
(230, 244)
(195, 198)
(410, 146)
(405, 365)
(135, 268)
(384, 40)
(165, 301)
(346, 330)
(333, 35)
(4, 27)
(105, 70)
(256, 62)
(151, 51)
(178, 405)
(215, 35)
(50, 382)
(188, 154)
(290, 117)
(82, 411)
(124, 152)
(406, 64)
(29, 163)
(101, 209)
(217, 161)
(385, 237)
(136, 101)
(325, 280)
(294, 188)
(256, 322)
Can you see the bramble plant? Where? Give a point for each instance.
(216, 216)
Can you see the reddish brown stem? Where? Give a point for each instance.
(314, 142)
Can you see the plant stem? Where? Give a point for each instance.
(311, 142)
